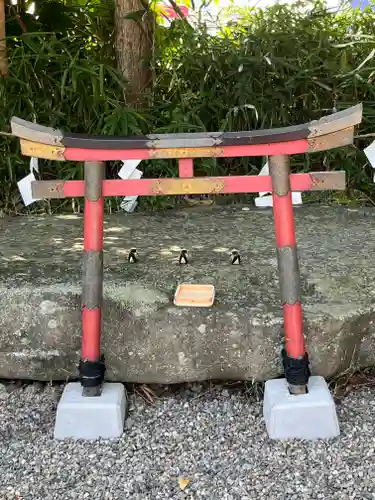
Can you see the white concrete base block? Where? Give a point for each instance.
(80, 417)
(306, 416)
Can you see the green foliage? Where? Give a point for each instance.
(268, 68)
(277, 67)
(65, 78)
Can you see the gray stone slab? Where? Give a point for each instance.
(145, 337)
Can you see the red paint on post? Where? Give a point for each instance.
(185, 167)
(284, 220)
(278, 148)
(91, 326)
(293, 325)
(285, 236)
(93, 231)
(93, 225)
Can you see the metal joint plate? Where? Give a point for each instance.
(197, 185)
(186, 152)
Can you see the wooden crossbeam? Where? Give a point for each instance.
(317, 181)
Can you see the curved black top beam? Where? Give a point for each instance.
(326, 125)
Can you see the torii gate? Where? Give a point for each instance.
(278, 144)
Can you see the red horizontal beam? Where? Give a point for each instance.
(279, 148)
(143, 187)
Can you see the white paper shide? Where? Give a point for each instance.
(370, 153)
(24, 185)
(130, 171)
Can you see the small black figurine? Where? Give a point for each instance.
(235, 257)
(183, 257)
(133, 256)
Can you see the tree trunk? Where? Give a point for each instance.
(133, 46)
(3, 45)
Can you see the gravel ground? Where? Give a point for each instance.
(215, 439)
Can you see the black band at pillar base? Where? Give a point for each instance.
(297, 371)
(91, 373)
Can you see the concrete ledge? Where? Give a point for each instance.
(145, 337)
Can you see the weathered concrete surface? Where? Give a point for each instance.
(145, 337)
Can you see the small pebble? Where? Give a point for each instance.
(3, 392)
